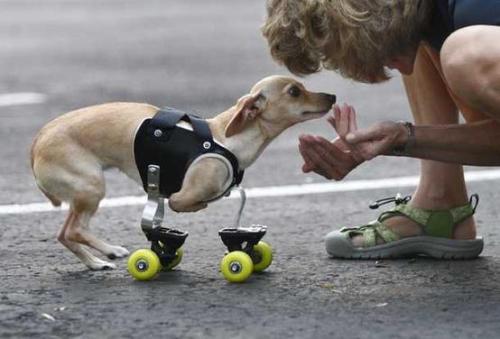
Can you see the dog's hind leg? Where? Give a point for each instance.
(84, 206)
(81, 183)
(81, 252)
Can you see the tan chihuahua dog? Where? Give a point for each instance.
(70, 153)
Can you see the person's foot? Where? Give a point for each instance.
(405, 227)
(439, 231)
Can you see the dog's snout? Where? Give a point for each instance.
(333, 98)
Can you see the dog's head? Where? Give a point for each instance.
(279, 102)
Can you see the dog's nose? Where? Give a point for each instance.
(331, 97)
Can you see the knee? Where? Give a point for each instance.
(466, 59)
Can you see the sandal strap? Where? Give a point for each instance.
(437, 223)
(382, 231)
(371, 232)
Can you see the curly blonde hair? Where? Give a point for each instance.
(354, 37)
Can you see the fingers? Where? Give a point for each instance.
(331, 120)
(332, 154)
(322, 162)
(342, 120)
(325, 158)
(336, 114)
(363, 144)
(308, 163)
(374, 140)
(341, 144)
(367, 134)
(351, 151)
(312, 157)
(335, 159)
(353, 124)
(366, 143)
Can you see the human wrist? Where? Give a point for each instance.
(405, 140)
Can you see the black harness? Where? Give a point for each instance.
(159, 141)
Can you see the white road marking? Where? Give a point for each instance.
(25, 98)
(263, 192)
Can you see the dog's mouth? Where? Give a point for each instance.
(315, 113)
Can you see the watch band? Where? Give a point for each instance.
(402, 150)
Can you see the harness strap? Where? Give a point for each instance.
(168, 117)
(437, 223)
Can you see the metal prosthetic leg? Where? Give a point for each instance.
(245, 252)
(241, 238)
(165, 242)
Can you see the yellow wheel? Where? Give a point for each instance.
(143, 264)
(178, 257)
(262, 256)
(236, 266)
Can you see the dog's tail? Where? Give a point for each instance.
(56, 202)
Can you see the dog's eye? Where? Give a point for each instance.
(294, 91)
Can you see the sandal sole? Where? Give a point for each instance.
(339, 246)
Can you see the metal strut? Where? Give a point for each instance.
(154, 211)
(164, 241)
(239, 238)
(243, 200)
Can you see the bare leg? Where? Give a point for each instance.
(441, 185)
(78, 228)
(82, 253)
(82, 184)
(471, 65)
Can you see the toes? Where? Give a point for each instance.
(108, 267)
(117, 252)
(100, 265)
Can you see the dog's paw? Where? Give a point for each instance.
(117, 252)
(100, 265)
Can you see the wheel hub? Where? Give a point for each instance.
(141, 265)
(235, 267)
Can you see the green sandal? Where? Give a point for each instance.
(436, 239)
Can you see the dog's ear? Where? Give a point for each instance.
(248, 108)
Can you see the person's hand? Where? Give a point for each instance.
(330, 159)
(335, 159)
(378, 139)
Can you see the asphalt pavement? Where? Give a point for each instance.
(201, 56)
